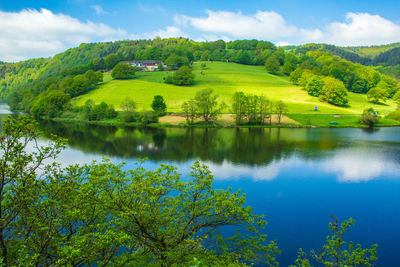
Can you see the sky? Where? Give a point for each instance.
(44, 28)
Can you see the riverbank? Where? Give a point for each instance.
(227, 121)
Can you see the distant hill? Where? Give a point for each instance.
(372, 51)
(23, 82)
(386, 56)
(342, 52)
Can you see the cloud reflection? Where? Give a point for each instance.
(360, 165)
(229, 171)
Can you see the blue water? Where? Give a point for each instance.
(296, 177)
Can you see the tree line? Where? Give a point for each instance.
(246, 109)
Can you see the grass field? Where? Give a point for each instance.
(331, 120)
(225, 79)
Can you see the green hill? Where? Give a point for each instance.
(225, 79)
(373, 50)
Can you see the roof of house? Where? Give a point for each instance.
(144, 62)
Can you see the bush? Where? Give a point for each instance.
(98, 112)
(369, 117)
(123, 71)
(147, 117)
(128, 111)
(183, 76)
(395, 115)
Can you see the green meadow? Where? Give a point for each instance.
(225, 79)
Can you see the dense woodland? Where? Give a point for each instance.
(43, 87)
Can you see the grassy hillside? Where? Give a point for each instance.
(225, 79)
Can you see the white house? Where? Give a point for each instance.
(145, 64)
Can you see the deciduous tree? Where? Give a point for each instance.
(378, 93)
(159, 106)
(272, 64)
(334, 92)
(207, 104)
(281, 108)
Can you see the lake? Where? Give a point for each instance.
(296, 177)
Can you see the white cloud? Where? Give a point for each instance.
(362, 29)
(170, 31)
(41, 33)
(33, 33)
(264, 25)
(99, 10)
(357, 29)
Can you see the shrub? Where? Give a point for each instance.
(183, 76)
(123, 71)
(98, 112)
(147, 117)
(395, 115)
(369, 117)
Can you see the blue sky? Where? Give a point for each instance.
(43, 28)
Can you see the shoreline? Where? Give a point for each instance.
(295, 124)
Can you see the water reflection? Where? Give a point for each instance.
(297, 177)
(353, 155)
